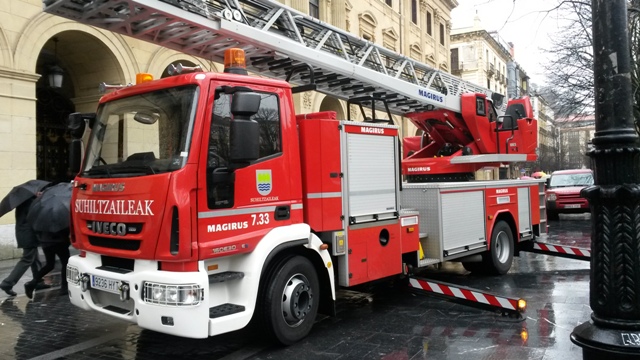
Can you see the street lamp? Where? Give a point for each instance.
(56, 74)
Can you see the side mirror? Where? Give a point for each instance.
(245, 104)
(75, 155)
(547, 182)
(76, 123)
(244, 144)
(244, 132)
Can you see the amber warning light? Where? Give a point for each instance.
(143, 78)
(235, 62)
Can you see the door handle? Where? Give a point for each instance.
(283, 212)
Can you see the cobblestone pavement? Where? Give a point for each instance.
(373, 322)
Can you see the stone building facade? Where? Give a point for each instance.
(35, 45)
(480, 57)
(548, 158)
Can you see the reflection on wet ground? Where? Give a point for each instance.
(380, 321)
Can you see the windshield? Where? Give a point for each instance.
(142, 134)
(565, 180)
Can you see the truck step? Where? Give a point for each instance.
(224, 310)
(428, 261)
(226, 276)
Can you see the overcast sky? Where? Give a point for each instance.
(525, 23)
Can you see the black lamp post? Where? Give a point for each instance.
(614, 329)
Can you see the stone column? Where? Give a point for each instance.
(17, 144)
(614, 329)
(339, 13)
(300, 5)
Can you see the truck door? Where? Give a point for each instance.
(240, 204)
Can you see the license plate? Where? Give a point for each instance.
(573, 206)
(110, 285)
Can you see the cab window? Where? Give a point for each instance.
(219, 182)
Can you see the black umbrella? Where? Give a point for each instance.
(20, 194)
(50, 212)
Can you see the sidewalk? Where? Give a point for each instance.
(53, 278)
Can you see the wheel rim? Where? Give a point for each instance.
(297, 300)
(503, 247)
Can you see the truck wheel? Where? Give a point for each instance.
(500, 255)
(291, 300)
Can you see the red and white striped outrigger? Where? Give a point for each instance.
(570, 252)
(469, 296)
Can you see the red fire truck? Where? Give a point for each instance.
(204, 202)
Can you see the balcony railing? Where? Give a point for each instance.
(491, 69)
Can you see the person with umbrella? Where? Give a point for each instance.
(49, 215)
(20, 198)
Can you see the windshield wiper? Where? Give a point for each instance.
(98, 170)
(134, 167)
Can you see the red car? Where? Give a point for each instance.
(563, 192)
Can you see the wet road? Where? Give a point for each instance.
(374, 322)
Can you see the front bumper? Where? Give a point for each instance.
(187, 320)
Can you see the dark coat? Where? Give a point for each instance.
(25, 235)
(48, 238)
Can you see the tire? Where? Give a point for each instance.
(553, 215)
(500, 255)
(293, 284)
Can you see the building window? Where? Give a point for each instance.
(414, 11)
(389, 2)
(441, 34)
(389, 39)
(455, 62)
(314, 8)
(488, 83)
(415, 52)
(429, 29)
(367, 26)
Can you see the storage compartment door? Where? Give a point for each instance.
(524, 211)
(371, 175)
(463, 224)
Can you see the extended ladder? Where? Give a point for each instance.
(278, 40)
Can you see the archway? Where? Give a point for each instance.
(83, 61)
(52, 139)
(332, 104)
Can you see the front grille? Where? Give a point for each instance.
(116, 264)
(110, 243)
(569, 196)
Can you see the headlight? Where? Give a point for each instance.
(172, 295)
(552, 197)
(73, 275)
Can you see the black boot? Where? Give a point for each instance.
(28, 289)
(8, 290)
